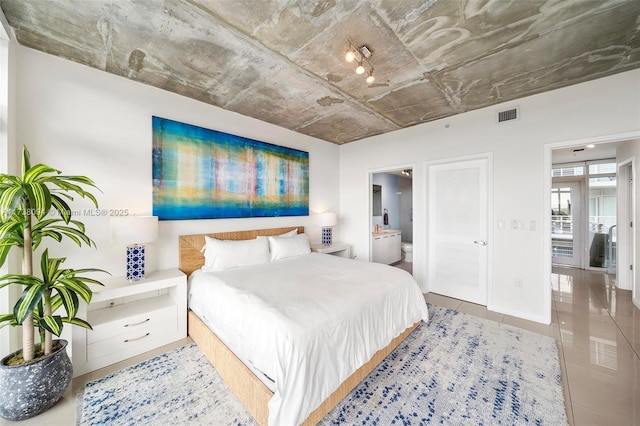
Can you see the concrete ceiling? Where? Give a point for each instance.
(282, 61)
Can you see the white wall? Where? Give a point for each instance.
(88, 122)
(605, 106)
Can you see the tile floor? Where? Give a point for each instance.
(407, 266)
(600, 347)
(598, 333)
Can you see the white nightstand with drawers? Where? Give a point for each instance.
(129, 318)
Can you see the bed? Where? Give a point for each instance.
(275, 377)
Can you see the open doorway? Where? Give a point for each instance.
(392, 217)
(622, 148)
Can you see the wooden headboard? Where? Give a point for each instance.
(192, 258)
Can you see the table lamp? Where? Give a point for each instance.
(134, 231)
(326, 220)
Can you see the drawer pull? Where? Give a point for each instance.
(138, 323)
(137, 338)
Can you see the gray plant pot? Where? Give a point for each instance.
(28, 390)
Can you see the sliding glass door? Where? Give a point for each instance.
(584, 239)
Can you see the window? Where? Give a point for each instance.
(602, 168)
(567, 171)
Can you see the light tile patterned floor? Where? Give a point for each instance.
(596, 325)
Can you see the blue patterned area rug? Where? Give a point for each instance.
(457, 370)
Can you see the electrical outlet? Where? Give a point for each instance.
(518, 282)
(111, 303)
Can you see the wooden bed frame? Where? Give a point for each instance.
(249, 389)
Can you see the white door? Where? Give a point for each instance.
(566, 229)
(458, 229)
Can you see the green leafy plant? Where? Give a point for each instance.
(33, 206)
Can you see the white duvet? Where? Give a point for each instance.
(306, 322)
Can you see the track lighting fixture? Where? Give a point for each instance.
(362, 55)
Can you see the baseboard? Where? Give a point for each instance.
(534, 318)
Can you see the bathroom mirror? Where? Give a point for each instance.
(377, 200)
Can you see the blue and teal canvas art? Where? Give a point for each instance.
(205, 174)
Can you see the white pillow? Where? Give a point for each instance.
(225, 254)
(291, 233)
(286, 234)
(283, 247)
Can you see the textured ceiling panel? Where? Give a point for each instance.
(282, 61)
(413, 104)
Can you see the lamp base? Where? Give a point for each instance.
(135, 262)
(326, 236)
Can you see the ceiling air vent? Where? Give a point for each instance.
(508, 115)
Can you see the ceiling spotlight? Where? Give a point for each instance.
(591, 145)
(360, 69)
(349, 57)
(370, 77)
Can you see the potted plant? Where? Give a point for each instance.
(33, 207)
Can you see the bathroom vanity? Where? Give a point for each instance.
(386, 246)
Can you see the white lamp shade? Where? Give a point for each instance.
(134, 229)
(326, 219)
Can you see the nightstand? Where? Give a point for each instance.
(129, 318)
(336, 249)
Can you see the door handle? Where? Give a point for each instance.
(480, 242)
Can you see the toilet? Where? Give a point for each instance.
(407, 251)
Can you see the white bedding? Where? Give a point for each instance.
(307, 322)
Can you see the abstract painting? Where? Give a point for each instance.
(205, 174)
